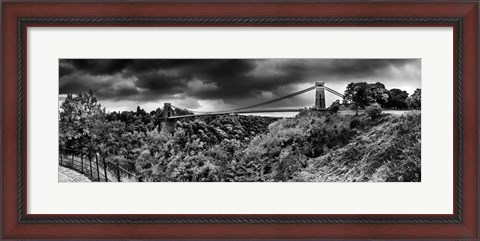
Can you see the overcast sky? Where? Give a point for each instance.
(218, 84)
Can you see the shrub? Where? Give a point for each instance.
(374, 111)
(355, 123)
(335, 107)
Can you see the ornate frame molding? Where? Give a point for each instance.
(24, 22)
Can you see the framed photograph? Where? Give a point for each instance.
(240, 120)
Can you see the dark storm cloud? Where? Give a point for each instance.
(233, 81)
(104, 87)
(161, 83)
(205, 79)
(98, 66)
(65, 69)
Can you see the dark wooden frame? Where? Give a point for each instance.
(462, 16)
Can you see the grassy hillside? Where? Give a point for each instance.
(325, 147)
(386, 149)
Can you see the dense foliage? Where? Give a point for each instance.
(313, 146)
(359, 95)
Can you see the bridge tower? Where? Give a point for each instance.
(167, 125)
(319, 95)
(167, 110)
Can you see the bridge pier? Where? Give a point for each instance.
(319, 95)
(167, 125)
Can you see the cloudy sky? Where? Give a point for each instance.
(219, 84)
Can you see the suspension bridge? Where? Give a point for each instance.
(168, 117)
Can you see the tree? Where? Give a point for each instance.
(358, 94)
(140, 111)
(80, 115)
(397, 99)
(379, 93)
(363, 94)
(415, 100)
(108, 135)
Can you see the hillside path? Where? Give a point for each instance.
(69, 175)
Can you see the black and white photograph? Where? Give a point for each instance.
(239, 120)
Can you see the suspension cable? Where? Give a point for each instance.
(273, 101)
(263, 103)
(333, 91)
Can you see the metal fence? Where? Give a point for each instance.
(95, 166)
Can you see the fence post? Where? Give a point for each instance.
(105, 169)
(81, 161)
(118, 173)
(90, 159)
(98, 170)
(61, 159)
(73, 162)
